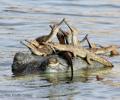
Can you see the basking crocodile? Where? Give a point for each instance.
(112, 49)
(81, 52)
(72, 39)
(109, 49)
(50, 36)
(36, 46)
(37, 49)
(25, 63)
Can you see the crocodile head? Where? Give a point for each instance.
(25, 63)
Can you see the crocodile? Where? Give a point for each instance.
(50, 36)
(36, 47)
(38, 50)
(109, 49)
(81, 52)
(112, 49)
(72, 35)
(26, 63)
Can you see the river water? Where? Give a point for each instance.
(28, 19)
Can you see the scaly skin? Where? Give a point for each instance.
(72, 36)
(36, 46)
(25, 63)
(81, 52)
(103, 50)
(47, 38)
(38, 50)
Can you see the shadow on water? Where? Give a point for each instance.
(54, 85)
(82, 75)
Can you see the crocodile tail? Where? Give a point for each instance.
(103, 61)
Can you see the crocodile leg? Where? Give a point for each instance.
(88, 59)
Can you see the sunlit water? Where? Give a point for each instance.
(23, 19)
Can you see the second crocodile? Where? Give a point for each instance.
(81, 52)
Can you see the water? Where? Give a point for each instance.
(23, 19)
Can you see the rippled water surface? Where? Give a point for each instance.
(23, 19)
